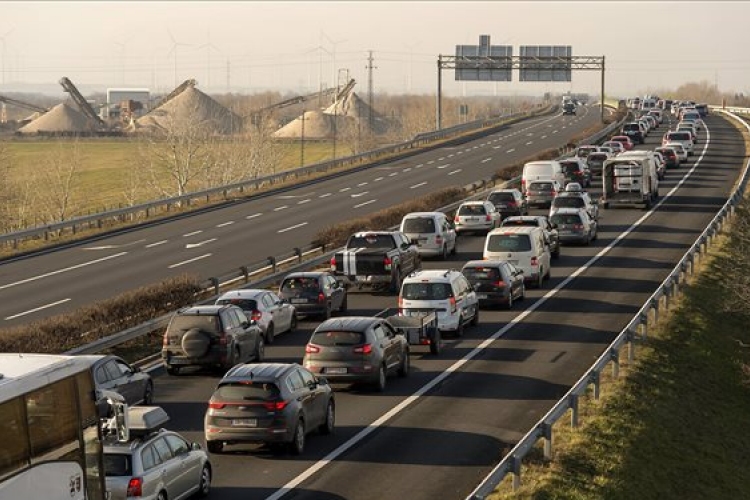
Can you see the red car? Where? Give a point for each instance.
(624, 140)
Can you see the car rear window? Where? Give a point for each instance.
(593, 157)
(481, 273)
(203, 322)
(509, 243)
(419, 225)
(247, 391)
(502, 197)
(541, 186)
(519, 222)
(571, 168)
(118, 464)
(632, 126)
(244, 304)
(471, 210)
(300, 283)
(679, 136)
(568, 202)
(426, 291)
(371, 241)
(337, 338)
(566, 219)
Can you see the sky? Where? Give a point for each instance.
(249, 47)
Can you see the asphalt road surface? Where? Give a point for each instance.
(438, 432)
(215, 242)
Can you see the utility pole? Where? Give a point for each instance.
(302, 141)
(369, 68)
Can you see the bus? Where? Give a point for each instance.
(50, 435)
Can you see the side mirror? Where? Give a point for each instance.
(322, 381)
(312, 384)
(195, 446)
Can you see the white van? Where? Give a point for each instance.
(446, 291)
(433, 233)
(525, 247)
(549, 170)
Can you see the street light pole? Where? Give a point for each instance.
(302, 141)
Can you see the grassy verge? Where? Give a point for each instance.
(675, 426)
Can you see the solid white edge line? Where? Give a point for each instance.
(365, 203)
(65, 269)
(47, 306)
(415, 186)
(310, 471)
(189, 261)
(292, 227)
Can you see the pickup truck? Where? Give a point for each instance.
(377, 258)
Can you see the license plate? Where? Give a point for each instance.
(481, 296)
(244, 422)
(179, 361)
(299, 301)
(336, 371)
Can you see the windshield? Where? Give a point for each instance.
(509, 243)
(541, 186)
(426, 291)
(679, 136)
(301, 283)
(571, 168)
(502, 197)
(244, 304)
(419, 225)
(481, 273)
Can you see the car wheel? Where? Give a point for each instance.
(523, 291)
(161, 496)
(475, 319)
(215, 446)
(396, 281)
(444, 254)
(173, 370)
(382, 380)
(297, 446)
(148, 394)
(330, 421)
(235, 359)
(436, 343)
(510, 300)
(344, 304)
(460, 328)
(455, 248)
(260, 350)
(403, 370)
(540, 281)
(327, 313)
(204, 488)
(556, 253)
(293, 323)
(270, 334)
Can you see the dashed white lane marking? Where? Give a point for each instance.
(379, 179)
(199, 244)
(361, 184)
(302, 202)
(554, 131)
(420, 165)
(454, 171)
(486, 160)
(393, 174)
(530, 143)
(441, 158)
(292, 227)
(415, 186)
(444, 166)
(254, 215)
(431, 162)
(325, 195)
(189, 261)
(344, 190)
(407, 170)
(282, 207)
(156, 244)
(224, 224)
(511, 150)
(187, 235)
(357, 195)
(40, 308)
(365, 203)
(408, 401)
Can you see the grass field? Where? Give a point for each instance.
(676, 426)
(104, 172)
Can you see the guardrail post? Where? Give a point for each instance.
(515, 466)
(667, 293)
(245, 273)
(631, 347)
(215, 284)
(597, 386)
(614, 355)
(574, 410)
(547, 435)
(272, 263)
(643, 318)
(298, 253)
(676, 284)
(46, 235)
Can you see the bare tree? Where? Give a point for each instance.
(58, 180)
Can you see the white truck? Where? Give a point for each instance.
(630, 179)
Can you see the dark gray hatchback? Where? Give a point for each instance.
(272, 403)
(357, 349)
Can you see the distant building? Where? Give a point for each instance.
(115, 98)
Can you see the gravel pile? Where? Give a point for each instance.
(60, 119)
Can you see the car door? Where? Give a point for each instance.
(304, 397)
(331, 289)
(283, 312)
(170, 469)
(449, 233)
(396, 351)
(120, 380)
(385, 345)
(273, 308)
(187, 465)
(249, 333)
(317, 397)
(235, 331)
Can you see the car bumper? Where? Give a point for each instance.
(353, 374)
(281, 434)
(489, 299)
(171, 358)
(574, 238)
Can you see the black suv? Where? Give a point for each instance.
(218, 336)
(270, 403)
(315, 292)
(508, 202)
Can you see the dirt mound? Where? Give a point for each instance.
(318, 125)
(190, 108)
(60, 119)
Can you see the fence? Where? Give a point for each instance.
(636, 330)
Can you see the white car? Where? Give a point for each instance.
(682, 153)
(616, 147)
(273, 314)
(574, 198)
(683, 137)
(476, 216)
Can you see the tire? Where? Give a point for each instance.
(344, 304)
(330, 422)
(327, 313)
(293, 324)
(215, 446)
(161, 496)
(460, 328)
(148, 394)
(444, 254)
(403, 370)
(204, 487)
(455, 247)
(172, 370)
(395, 286)
(236, 358)
(510, 300)
(297, 445)
(436, 343)
(556, 253)
(270, 334)
(260, 350)
(540, 281)
(382, 380)
(523, 292)
(475, 319)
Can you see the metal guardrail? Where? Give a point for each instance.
(167, 204)
(669, 289)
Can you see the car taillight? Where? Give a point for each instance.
(487, 217)
(400, 303)
(321, 297)
(452, 301)
(577, 227)
(256, 315)
(312, 349)
(438, 240)
(512, 204)
(455, 218)
(216, 406)
(387, 263)
(223, 340)
(528, 193)
(534, 261)
(275, 405)
(363, 349)
(499, 284)
(554, 193)
(523, 184)
(333, 263)
(135, 487)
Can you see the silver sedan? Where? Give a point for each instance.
(273, 314)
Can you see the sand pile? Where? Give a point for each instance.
(318, 125)
(60, 119)
(190, 108)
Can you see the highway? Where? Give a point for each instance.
(216, 241)
(438, 432)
